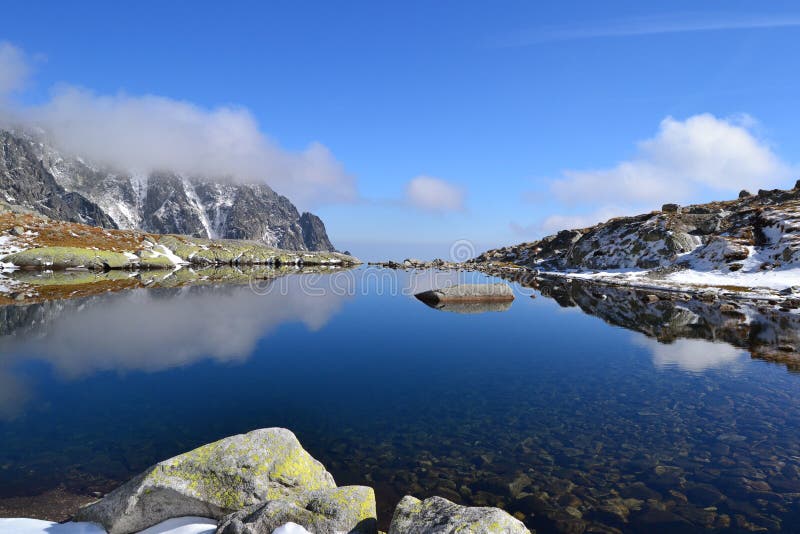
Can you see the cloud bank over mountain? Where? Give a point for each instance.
(144, 133)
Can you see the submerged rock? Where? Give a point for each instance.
(471, 307)
(329, 511)
(212, 481)
(468, 293)
(440, 516)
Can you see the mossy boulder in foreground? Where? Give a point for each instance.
(348, 509)
(257, 482)
(213, 481)
(440, 516)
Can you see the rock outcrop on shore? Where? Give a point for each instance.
(752, 233)
(264, 482)
(35, 242)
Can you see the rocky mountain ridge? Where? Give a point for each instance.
(752, 234)
(37, 177)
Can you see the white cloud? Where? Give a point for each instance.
(554, 223)
(434, 194)
(684, 159)
(14, 68)
(147, 133)
(699, 159)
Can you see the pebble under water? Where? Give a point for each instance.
(584, 409)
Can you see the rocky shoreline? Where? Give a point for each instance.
(749, 246)
(29, 241)
(787, 297)
(264, 482)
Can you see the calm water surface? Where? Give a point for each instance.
(573, 423)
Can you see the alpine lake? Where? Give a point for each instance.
(586, 408)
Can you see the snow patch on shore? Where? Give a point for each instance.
(7, 247)
(691, 279)
(775, 279)
(161, 250)
(178, 525)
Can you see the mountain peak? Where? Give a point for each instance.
(36, 176)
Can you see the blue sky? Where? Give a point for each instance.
(520, 117)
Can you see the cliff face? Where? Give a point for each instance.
(751, 234)
(314, 232)
(39, 178)
(25, 181)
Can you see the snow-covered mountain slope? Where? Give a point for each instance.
(753, 236)
(38, 177)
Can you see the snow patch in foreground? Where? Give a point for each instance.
(290, 528)
(37, 526)
(178, 525)
(183, 525)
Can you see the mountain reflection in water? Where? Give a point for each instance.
(148, 330)
(766, 332)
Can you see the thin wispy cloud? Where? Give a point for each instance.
(434, 194)
(14, 68)
(651, 25)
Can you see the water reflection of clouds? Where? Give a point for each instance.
(14, 393)
(156, 330)
(693, 355)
